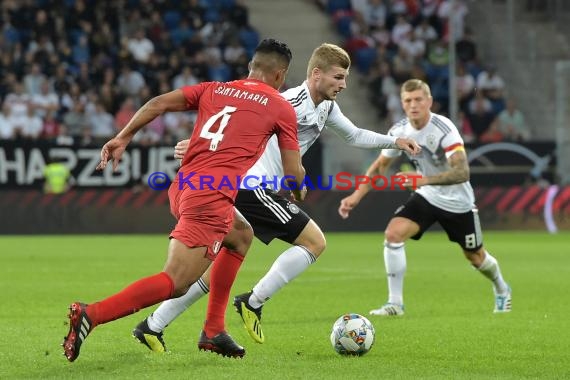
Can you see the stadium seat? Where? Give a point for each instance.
(171, 19)
(211, 15)
(498, 105)
(220, 73)
(334, 6)
(474, 69)
(179, 35)
(364, 59)
(249, 39)
(11, 34)
(226, 4)
(343, 26)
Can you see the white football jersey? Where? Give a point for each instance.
(311, 120)
(439, 139)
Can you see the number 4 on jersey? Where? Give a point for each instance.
(216, 137)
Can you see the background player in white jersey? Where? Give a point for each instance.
(272, 215)
(444, 195)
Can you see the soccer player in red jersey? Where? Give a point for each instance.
(235, 120)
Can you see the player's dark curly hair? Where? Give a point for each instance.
(270, 45)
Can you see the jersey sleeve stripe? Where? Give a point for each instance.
(441, 125)
(298, 99)
(454, 147)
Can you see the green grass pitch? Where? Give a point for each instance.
(448, 332)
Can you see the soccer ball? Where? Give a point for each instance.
(352, 334)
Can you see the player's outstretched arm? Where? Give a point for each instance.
(408, 145)
(378, 167)
(364, 138)
(114, 148)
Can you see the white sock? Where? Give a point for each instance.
(490, 269)
(169, 310)
(288, 266)
(395, 262)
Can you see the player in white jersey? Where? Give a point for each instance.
(272, 215)
(444, 195)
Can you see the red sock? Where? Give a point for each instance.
(224, 271)
(140, 294)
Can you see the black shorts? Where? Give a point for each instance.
(271, 216)
(462, 228)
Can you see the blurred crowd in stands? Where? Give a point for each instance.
(391, 41)
(75, 71)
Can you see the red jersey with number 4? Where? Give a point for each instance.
(235, 120)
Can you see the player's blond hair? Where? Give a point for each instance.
(326, 56)
(416, 84)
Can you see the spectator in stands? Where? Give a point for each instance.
(69, 99)
(101, 122)
(425, 32)
(492, 134)
(125, 113)
(381, 36)
(61, 82)
(464, 126)
(453, 11)
(152, 133)
(133, 22)
(33, 80)
(46, 100)
(6, 129)
(80, 52)
(31, 124)
(429, 14)
(359, 6)
(19, 59)
(360, 38)
(7, 75)
(466, 49)
(490, 83)
(39, 51)
(465, 85)
(481, 116)
(17, 100)
(375, 13)
(398, 7)
(63, 137)
(84, 77)
(213, 51)
(381, 85)
(80, 46)
(414, 47)
(75, 119)
(238, 14)
(438, 54)
(401, 30)
(512, 124)
(109, 97)
(103, 39)
(50, 129)
(43, 25)
(402, 65)
(140, 46)
(130, 82)
(185, 78)
(234, 51)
